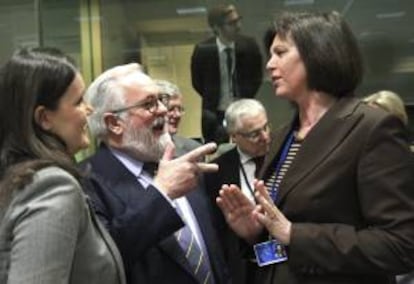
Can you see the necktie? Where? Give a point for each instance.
(229, 59)
(231, 72)
(151, 168)
(193, 253)
(258, 162)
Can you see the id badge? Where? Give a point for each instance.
(269, 252)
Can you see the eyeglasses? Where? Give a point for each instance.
(255, 134)
(150, 104)
(178, 109)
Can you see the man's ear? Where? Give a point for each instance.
(43, 118)
(113, 123)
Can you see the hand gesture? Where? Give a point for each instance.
(270, 216)
(238, 211)
(177, 177)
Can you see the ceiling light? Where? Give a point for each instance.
(298, 2)
(391, 15)
(191, 10)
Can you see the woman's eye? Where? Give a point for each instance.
(280, 52)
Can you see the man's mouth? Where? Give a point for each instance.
(158, 124)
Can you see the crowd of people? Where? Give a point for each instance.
(326, 198)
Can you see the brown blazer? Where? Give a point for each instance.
(349, 194)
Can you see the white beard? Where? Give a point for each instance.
(143, 145)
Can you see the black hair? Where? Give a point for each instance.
(218, 14)
(327, 47)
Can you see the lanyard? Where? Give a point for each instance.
(274, 190)
(245, 179)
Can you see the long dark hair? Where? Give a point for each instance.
(30, 78)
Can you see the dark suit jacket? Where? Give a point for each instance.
(205, 70)
(349, 194)
(234, 248)
(184, 145)
(228, 173)
(142, 223)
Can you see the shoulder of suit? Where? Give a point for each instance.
(224, 152)
(243, 39)
(210, 42)
(47, 177)
(372, 115)
(49, 183)
(182, 139)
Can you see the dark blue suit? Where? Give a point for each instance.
(142, 223)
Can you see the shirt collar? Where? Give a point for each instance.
(221, 46)
(244, 158)
(133, 165)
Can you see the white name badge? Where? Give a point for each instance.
(269, 252)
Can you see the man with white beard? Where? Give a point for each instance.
(146, 214)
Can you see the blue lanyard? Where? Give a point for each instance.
(274, 190)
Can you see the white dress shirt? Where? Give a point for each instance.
(249, 167)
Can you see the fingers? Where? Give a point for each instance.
(227, 194)
(266, 203)
(207, 167)
(268, 208)
(263, 219)
(169, 152)
(231, 201)
(234, 197)
(262, 190)
(200, 152)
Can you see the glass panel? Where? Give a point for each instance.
(161, 34)
(18, 26)
(60, 26)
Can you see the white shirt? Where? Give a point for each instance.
(226, 86)
(249, 168)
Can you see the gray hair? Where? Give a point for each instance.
(166, 87)
(106, 94)
(240, 108)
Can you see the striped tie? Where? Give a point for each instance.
(194, 254)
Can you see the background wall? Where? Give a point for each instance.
(161, 34)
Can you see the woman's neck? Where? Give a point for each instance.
(311, 110)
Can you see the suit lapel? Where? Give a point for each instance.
(110, 244)
(232, 167)
(323, 139)
(172, 248)
(121, 182)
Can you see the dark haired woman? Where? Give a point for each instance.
(337, 200)
(48, 234)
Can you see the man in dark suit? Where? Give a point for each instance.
(224, 68)
(147, 214)
(175, 112)
(248, 127)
